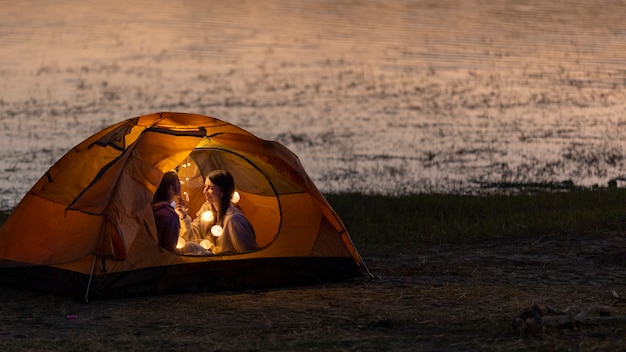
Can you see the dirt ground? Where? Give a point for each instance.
(432, 298)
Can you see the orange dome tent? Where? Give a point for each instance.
(86, 226)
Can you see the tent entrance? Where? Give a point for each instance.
(258, 198)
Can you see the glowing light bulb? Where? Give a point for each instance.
(216, 230)
(235, 198)
(181, 243)
(206, 244)
(207, 216)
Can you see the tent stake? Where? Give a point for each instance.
(93, 267)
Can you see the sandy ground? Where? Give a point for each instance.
(442, 298)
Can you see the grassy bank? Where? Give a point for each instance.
(377, 223)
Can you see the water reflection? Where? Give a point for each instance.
(374, 96)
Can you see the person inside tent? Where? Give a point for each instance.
(167, 217)
(219, 226)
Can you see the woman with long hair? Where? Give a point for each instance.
(165, 217)
(219, 222)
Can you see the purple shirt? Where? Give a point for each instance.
(167, 224)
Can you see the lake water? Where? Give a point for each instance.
(373, 96)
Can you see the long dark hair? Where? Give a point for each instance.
(170, 179)
(225, 181)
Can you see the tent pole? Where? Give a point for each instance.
(372, 276)
(93, 267)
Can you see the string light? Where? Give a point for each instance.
(184, 170)
(181, 243)
(216, 230)
(235, 198)
(206, 244)
(207, 216)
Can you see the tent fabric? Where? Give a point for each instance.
(86, 224)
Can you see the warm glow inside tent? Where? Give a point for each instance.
(86, 227)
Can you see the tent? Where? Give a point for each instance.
(86, 227)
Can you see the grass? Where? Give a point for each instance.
(376, 221)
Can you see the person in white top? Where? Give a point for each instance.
(219, 226)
